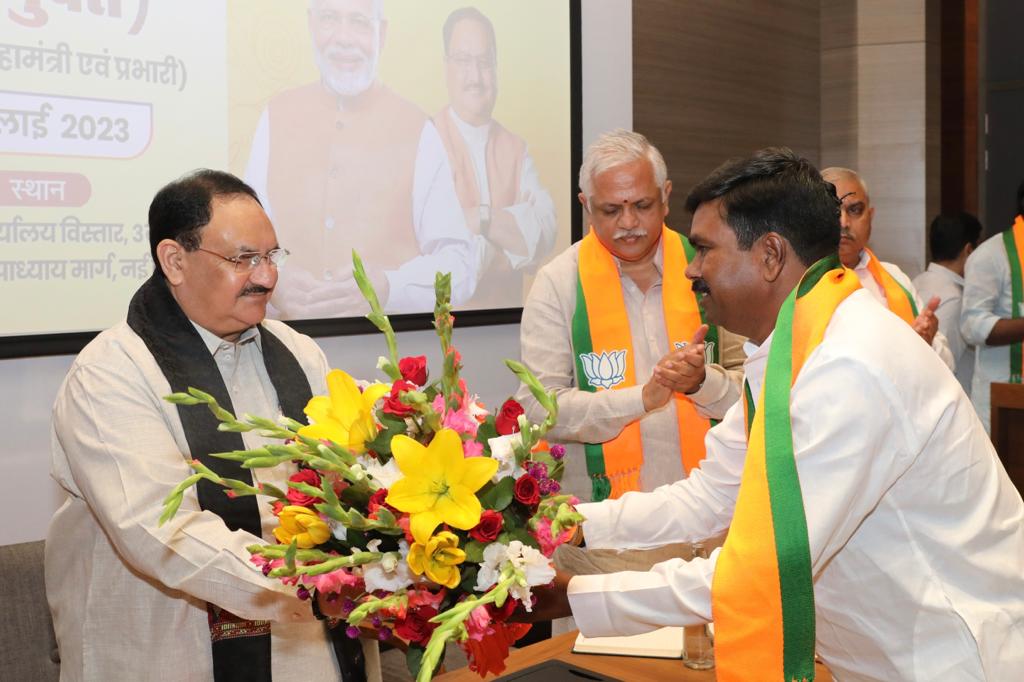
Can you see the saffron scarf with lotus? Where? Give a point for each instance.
(762, 595)
(1013, 240)
(603, 354)
(899, 300)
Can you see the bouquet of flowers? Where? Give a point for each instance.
(431, 518)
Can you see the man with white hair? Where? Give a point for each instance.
(613, 327)
(346, 163)
(886, 282)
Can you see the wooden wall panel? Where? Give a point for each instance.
(713, 79)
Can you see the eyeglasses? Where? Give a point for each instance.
(247, 262)
(464, 62)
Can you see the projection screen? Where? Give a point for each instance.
(427, 136)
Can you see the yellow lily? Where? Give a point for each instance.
(346, 415)
(438, 558)
(439, 483)
(302, 525)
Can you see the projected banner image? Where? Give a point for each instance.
(427, 136)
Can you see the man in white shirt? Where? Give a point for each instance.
(914, 531)
(625, 189)
(992, 317)
(347, 164)
(495, 178)
(886, 282)
(134, 600)
(952, 239)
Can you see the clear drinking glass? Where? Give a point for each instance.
(698, 643)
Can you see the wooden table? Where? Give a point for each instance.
(623, 667)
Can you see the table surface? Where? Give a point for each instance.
(632, 669)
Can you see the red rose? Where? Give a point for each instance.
(309, 477)
(507, 420)
(490, 525)
(414, 369)
(393, 405)
(527, 490)
(416, 627)
(378, 500)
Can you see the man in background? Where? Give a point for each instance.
(495, 178)
(993, 310)
(613, 327)
(346, 163)
(885, 281)
(951, 238)
(134, 600)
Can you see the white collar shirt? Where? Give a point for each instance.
(915, 530)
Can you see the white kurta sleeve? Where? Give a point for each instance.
(123, 461)
(546, 347)
(446, 244)
(534, 213)
(986, 277)
(845, 466)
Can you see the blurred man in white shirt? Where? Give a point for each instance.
(952, 238)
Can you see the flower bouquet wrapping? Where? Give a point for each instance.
(429, 517)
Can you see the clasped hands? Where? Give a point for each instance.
(299, 295)
(679, 371)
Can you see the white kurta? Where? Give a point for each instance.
(546, 346)
(533, 210)
(988, 298)
(939, 343)
(128, 597)
(916, 535)
(940, 281)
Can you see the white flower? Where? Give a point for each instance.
(495, 555)
(502, 450)
(532, 566)
(381, 361)
(392, 572)
(385, 474)
(476, 409)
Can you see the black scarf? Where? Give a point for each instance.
(241, 649)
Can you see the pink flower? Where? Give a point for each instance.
(334, 581)
(471, 448)
(479, 623)
(461, 421)
(424, 597)
(548, 543)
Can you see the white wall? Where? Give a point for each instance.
(28, 386)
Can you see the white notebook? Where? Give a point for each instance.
(663, 643)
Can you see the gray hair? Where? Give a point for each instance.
(378, 8)
(615, 148)
(848, 174)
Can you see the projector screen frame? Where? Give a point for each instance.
(37, 345)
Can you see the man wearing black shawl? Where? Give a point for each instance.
(132, 600)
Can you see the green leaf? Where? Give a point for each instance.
(414, 658)
(500, 495)
(474, 550)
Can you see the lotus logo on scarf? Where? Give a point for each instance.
(709, 350)
(605, 370)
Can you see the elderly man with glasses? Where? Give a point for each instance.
(130, 597)
(495, 177)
